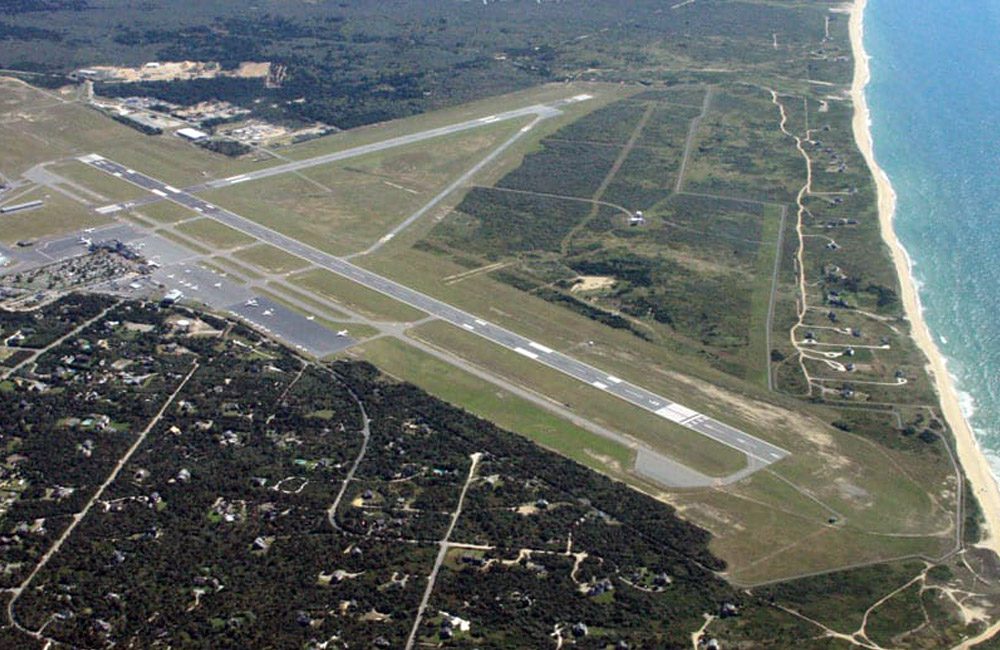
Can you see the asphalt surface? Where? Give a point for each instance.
(461, 180)
(538, 110)
(290, 326)
(753, 447)
(58, 249)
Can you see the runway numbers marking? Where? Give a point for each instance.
(598, 384)
(614, 380)
(469, 327)
(540, 347)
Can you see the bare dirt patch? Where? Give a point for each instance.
(585, 283)
(181, 70)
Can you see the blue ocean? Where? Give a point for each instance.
(934, 98)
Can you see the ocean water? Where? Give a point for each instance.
(934, 98)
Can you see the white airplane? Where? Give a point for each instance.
(170, 277)
(88, 230)
(217, 285)
(310, 318)
(268, 312)
(342, 333)
(86, 241)
(252, 302)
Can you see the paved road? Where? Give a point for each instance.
(756, 448)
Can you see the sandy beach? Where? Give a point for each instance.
(977, 469)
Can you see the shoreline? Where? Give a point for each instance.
(975, 465)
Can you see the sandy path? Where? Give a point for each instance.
(976, 467)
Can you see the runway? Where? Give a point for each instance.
(754, 447)
(541, 111)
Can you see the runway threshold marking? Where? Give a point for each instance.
(527, 353)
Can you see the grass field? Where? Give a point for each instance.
(55, 130)
(214, 234)
(345, 207)
(435, 119)
(690, 448)
(313, 303)
(165, 212)
(227, 264)
(114, 190)
(186, 242)
(58, 216)
(354, 296)
(497, 405)
(270, 259)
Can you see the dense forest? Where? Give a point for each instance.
(264, 500)
(351, 63)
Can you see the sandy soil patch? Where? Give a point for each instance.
(171, 70)
(593, 283)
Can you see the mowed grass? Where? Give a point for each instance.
(497, 405)
(347, 206)
(436, 119)
(614, 350)
(214, 234)
(686, 446)
(871, 489)
(165, 212)
(228, 265)
(311, 302)
(59, 215)
(271, 259)
(58, 131)
(354, 296)
(114, 190)
(186, 242)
